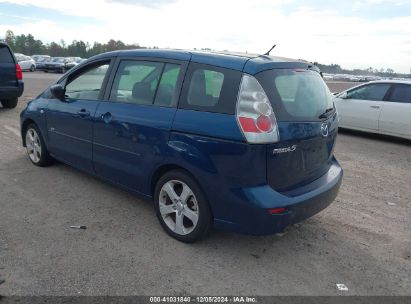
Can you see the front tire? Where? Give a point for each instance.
(181, 207)
(9, 103)
(35, 146)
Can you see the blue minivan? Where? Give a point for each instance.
(233, 141)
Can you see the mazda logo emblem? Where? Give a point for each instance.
(324, 129)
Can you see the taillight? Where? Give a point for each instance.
(277, 210)
(19, 72)
(255, 115)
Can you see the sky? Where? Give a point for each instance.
(354, 34)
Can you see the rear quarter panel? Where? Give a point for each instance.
(211, 147)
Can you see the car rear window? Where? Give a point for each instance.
(296, 95)
(210, 89)
(5, 55)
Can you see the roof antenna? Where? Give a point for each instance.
(268, 53)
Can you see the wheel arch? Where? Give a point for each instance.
(24, 126)
(163, 169)
(29, 120)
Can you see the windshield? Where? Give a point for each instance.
(296, 95)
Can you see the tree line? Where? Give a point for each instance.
(337, 69)
(28, 45)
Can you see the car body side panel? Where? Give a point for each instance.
(218, 165)
(356, 113)
(35, 111)
(7, 75)
(70, 130)
(27, 64)
(395, 119)
(131, 143)
(216, 125)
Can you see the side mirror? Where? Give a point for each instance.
(343, 95)
(58, 91)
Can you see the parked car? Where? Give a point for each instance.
(74, 61)
(59, 64)
(41, 63)
(11, 78)
(240, 143)
(26, 62)
(378, 107)
(40, 57)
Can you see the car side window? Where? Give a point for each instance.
(136, 82)
(205, 88)
(401, 93)
(166, 92)
(210, 89)
(374, 92)
(87, 85)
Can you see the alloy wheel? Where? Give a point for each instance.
(178, 207)
(33, 145)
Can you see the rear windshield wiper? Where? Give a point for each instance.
(326, 113)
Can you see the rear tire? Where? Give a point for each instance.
(35, 146)
(9, 103)
(32, 68)
(181, 207)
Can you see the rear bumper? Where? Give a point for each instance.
(251, 213)
(12, 92)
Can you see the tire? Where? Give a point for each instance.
(35, 146)
(186, 217)
(9, 103)
(32, 68)
(46, 71)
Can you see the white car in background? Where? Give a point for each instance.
(26, 62)
(382, 107)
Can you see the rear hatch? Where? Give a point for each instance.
(7, 68)
(307, 127)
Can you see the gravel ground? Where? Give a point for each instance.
(362, 240)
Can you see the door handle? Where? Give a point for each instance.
(375, 107)
(83, 113)
(107, 117)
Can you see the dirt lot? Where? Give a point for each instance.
(362, 240)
